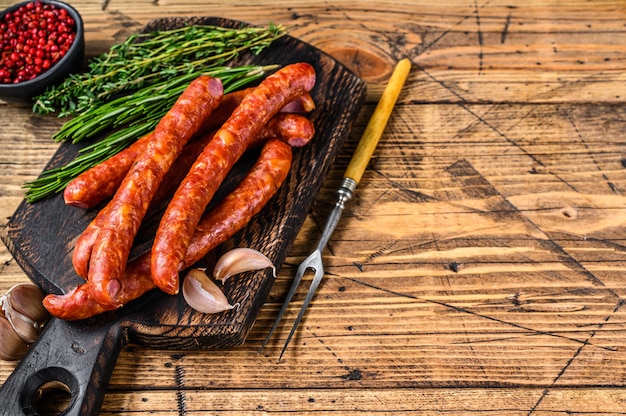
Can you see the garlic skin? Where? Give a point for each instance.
(203, 295)
(239, 260)
(22, 305)
(22, 316)
(12, 347)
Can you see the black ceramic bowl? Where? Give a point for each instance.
(23, 92)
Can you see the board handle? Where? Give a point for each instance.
(71, 357)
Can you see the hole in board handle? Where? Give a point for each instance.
(49, 392)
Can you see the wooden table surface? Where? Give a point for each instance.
(479, 269)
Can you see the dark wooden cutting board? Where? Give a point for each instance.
(81, 355)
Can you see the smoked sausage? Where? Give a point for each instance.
(216, 226)
(126, 210)
(294, 129)
(183, 213)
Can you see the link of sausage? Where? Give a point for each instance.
(126, 210)
(193, 195)
(101, 181)
(216, 226)
(294, 129)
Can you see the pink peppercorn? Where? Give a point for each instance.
(32, 39)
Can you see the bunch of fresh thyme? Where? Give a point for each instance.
(149, 59)
(128, 90)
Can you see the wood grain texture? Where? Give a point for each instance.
(479, 269)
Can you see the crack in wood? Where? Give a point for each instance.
(594, 161)
(577, 353)
(505, 30)
(481, 41)
(181, 398)
(529, 330)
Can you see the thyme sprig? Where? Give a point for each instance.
(139, 113)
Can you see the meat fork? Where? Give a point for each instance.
(352, 176)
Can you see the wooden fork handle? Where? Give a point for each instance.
(376, 125)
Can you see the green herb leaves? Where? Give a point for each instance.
(150, 59)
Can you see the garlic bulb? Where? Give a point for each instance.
(21, 320)
(203, 295)
(241, 260)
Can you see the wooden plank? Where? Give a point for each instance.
(508, 401)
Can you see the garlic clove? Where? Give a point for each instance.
(203, 295)
(12, 347)
(27, 299)
(23, 308)
(241, 260)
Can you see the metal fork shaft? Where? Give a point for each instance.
(344, 193)
(313, 262)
